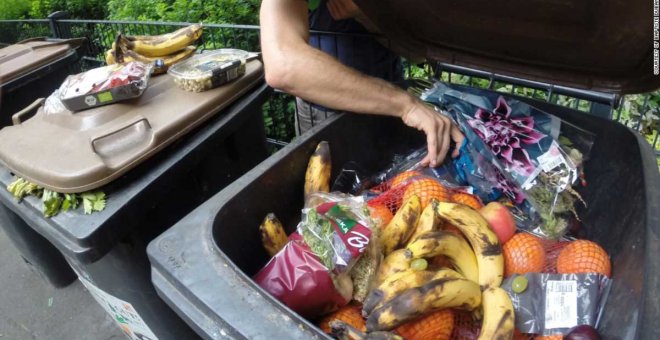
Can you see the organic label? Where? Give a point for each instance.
(561, 304)
(105, 97)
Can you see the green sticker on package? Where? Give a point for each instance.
(105, 97)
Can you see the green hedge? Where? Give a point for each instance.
(217, 12)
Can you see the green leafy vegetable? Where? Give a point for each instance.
(317, 233)
(54, 202)
(21, 188)
(70, 202)
(93, 201)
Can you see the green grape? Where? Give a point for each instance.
(519, 284)
(419, 264)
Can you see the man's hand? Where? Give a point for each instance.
(439, 129)
(343, 9)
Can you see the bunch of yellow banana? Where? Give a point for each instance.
(484, 242)
(445, 292)
(400, 282)
(451, 245)
(170, 48)
(402, 293)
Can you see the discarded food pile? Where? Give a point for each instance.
(131, 62)
(415, 253)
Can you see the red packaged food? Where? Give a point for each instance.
(311, 273)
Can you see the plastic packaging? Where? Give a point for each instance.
(53, 104)
(536, 158)
(210, 70)
(311, 274)
(105, 85)
(555, 303)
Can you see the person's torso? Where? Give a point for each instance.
(352, 46)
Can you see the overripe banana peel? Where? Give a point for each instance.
(397, 261)
(483, 240)
(273, 236)
(317, 176)
(402, 225)
(400, 282)
(434, 295)
(428, 221)
(499, 315)
(452, 246)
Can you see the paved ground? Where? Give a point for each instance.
(31, 309)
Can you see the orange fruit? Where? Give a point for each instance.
(523, 253)
(583, 256)
(350, 314)
(402, 177)
(520, 336)
(467, 199)
(380, 213)
(437, 326)
(549, 337)
(426, 189)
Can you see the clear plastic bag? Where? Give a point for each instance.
(535, 158)
(311, 274)
(336, 228)
(53, 104)
(555, 303)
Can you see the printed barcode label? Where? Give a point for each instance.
(560, 304)
(550, 159)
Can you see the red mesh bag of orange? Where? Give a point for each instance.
(399, 188)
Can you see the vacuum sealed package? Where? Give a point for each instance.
(311, 274)
(105, 85)
(535, 158)
(554, 303)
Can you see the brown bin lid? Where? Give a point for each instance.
(601, 45)
(23, 57)
(75, 152)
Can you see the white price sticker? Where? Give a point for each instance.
(561, 304)
(551, 159)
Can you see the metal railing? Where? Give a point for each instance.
(101, 34)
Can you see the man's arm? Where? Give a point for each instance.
(303, 71)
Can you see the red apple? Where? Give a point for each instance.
(500, 220)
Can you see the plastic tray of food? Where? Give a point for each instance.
(105, 85)
(209, 70)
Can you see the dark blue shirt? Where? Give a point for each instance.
(362, 53)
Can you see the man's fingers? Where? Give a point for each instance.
(432, 143)
(445, 139)
(426, 160)
(458, 138)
